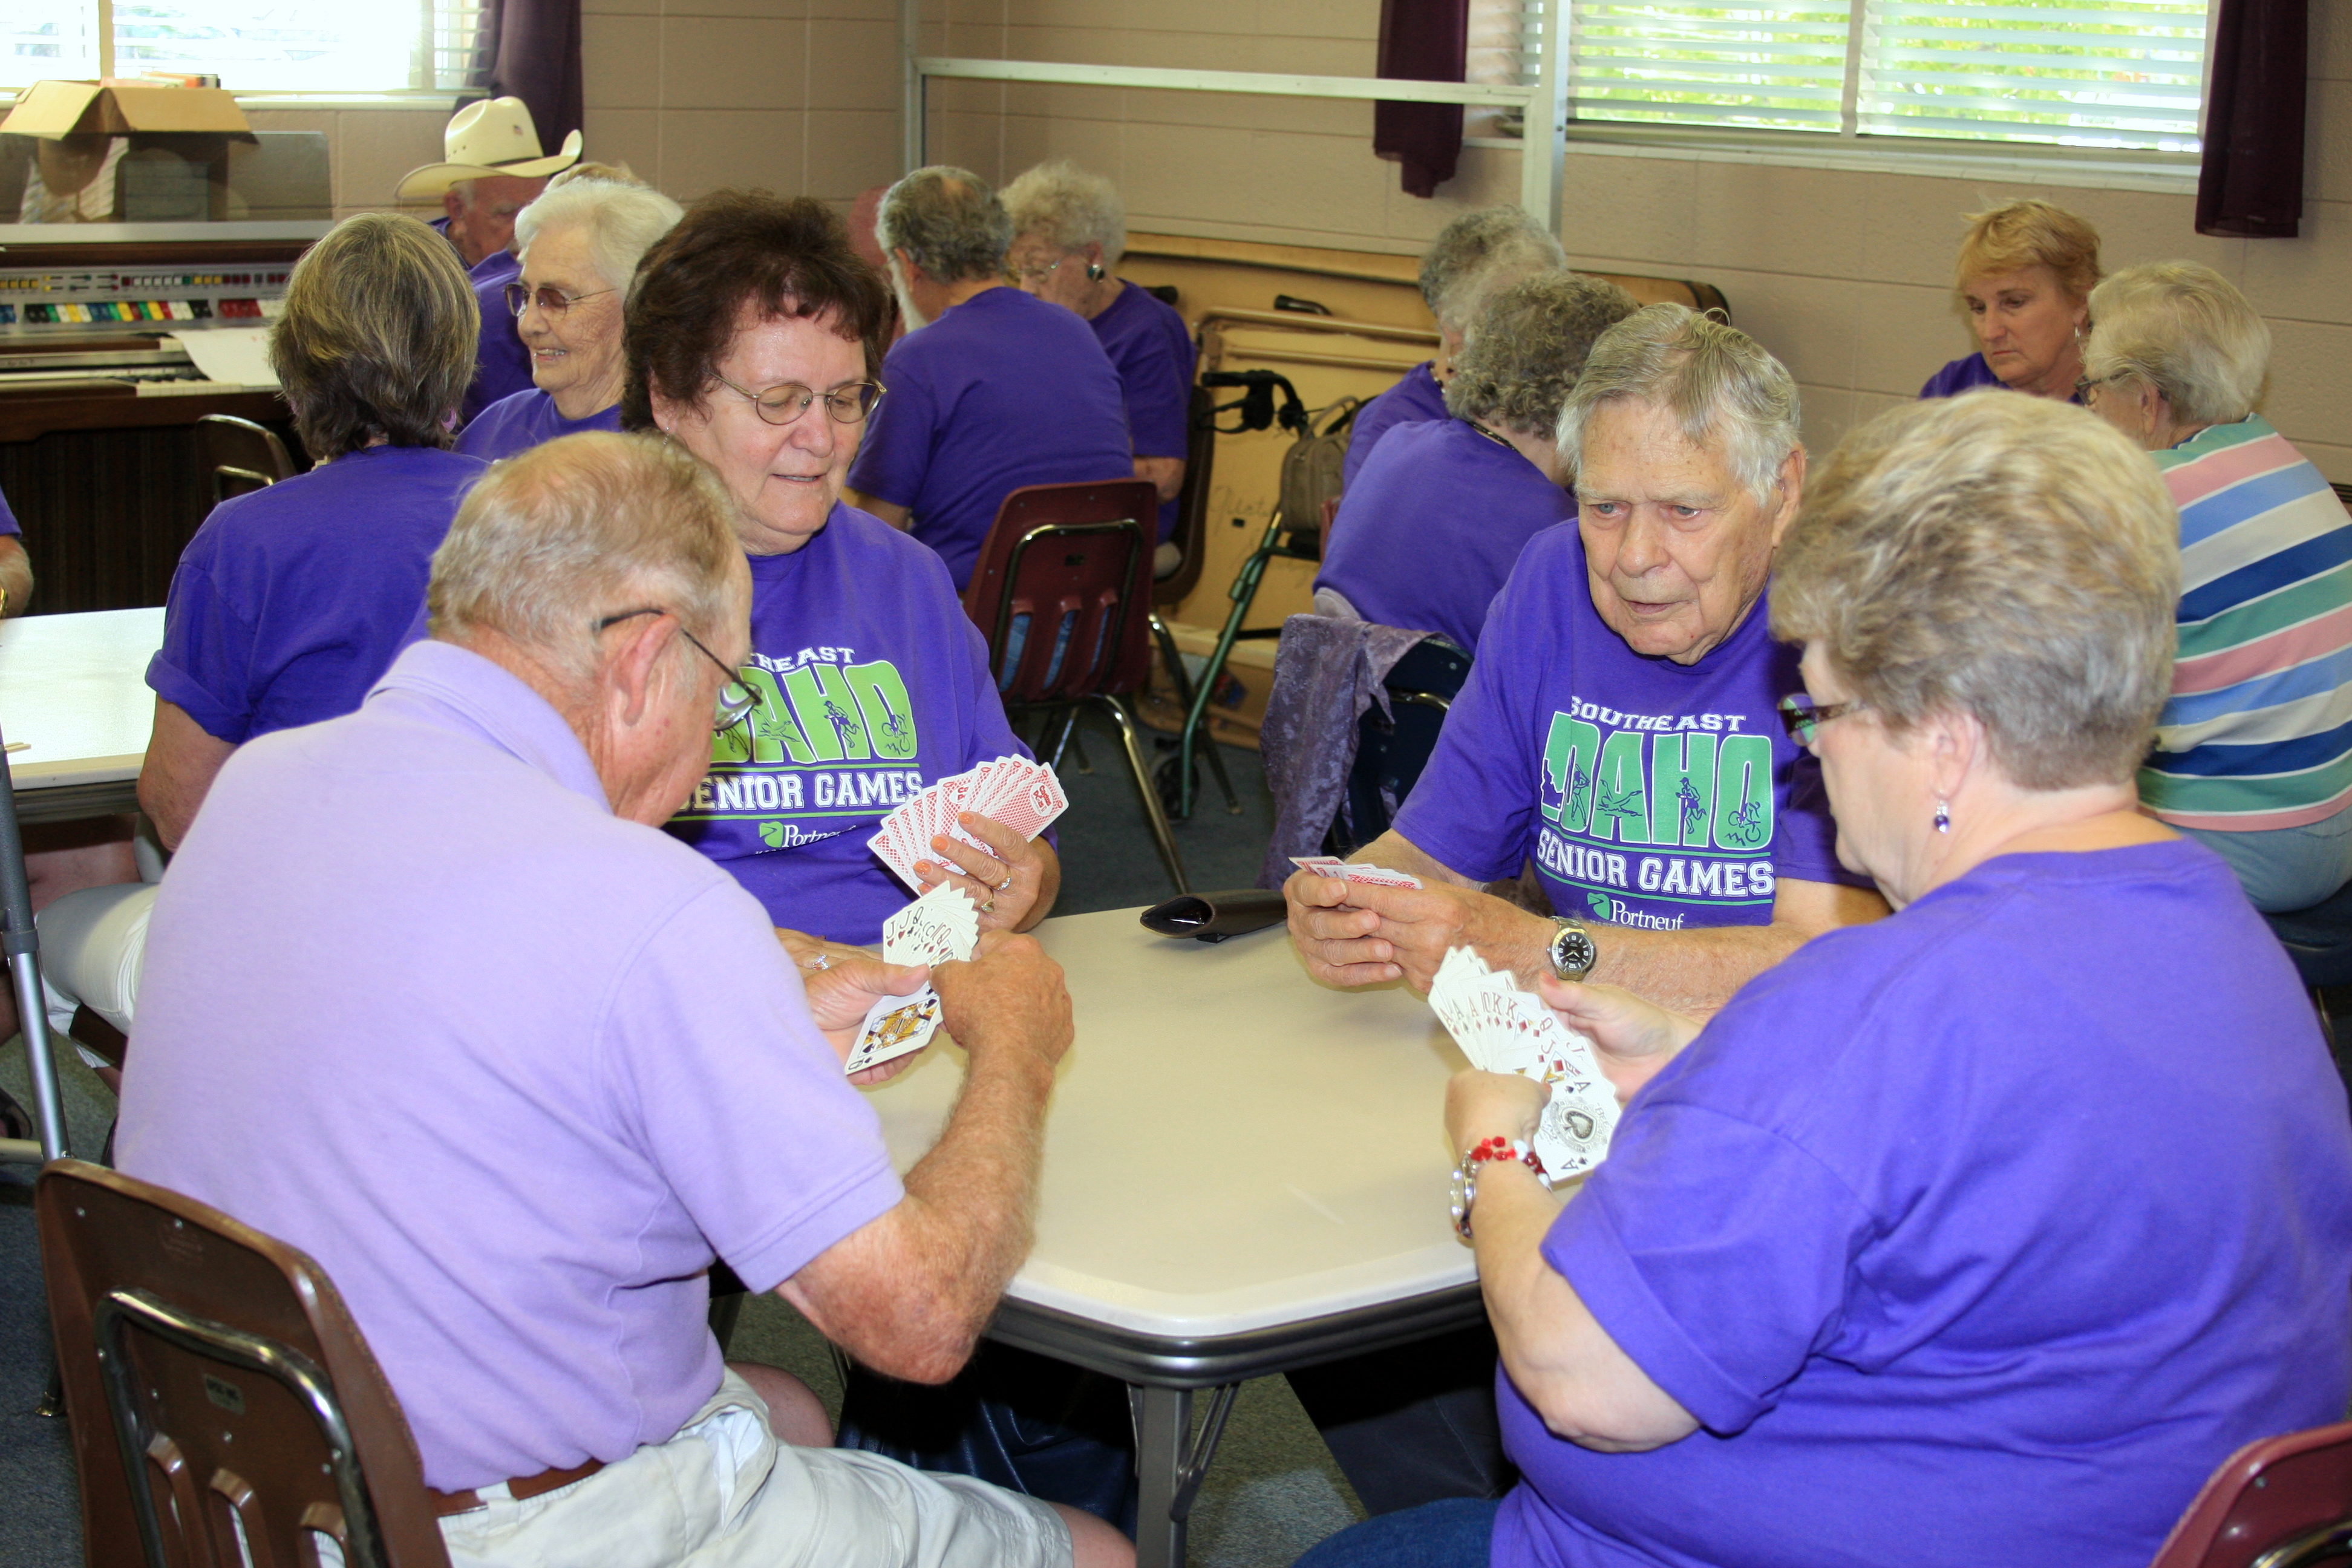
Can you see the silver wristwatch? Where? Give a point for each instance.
(1572, 953)
(1465, 1192)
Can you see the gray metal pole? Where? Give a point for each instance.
(22, 943)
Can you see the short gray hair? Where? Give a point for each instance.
(2186, 330)
(1068, 208)
(1477, 255)
(2005, 557)
(586, 526)
(1720, 385)
(947, 219)
(621, 222)
(1529, 348)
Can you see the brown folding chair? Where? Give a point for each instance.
(1066, 569)
(240, 455)
(2284, 1502)
(1191, 541)
(223, 1405)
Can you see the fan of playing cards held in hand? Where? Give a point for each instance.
(1361, 871)
(1022, 795)
(1502, 1028)
(941, 926)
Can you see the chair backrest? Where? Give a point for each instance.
(1192, 535)
(1391, 752)
(1075, 556)
(220, 1394)
(239, 454)
(2284, 1502)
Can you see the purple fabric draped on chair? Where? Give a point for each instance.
(1422, 40)
(531, 50)
(2251, 181)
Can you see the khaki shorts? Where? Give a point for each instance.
(724, 1492)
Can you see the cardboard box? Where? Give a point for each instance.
(1238, 708)
(125, 152)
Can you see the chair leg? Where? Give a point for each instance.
(1153, 812)
(1173, 661)
(1061, 741)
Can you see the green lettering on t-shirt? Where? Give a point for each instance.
(774, 734)
(827, 712)
(1743, 793)
(1570, 752)
(1682, 787)
(1621, 804)
(882, 701)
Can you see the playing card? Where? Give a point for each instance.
(1322, 864)
(1031, 802)
(1376, 876)
(1024, 795)
(1573, 1135)
(1502, 1028)
(941, 926)
(894, 1027)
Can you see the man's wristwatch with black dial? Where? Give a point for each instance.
(1571, 954)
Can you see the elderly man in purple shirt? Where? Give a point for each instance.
(524, 1068)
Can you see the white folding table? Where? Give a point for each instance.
(74, 689)
(1245, 1172)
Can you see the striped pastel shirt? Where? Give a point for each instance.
(2258, 732)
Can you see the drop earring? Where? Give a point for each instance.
(1943, 816)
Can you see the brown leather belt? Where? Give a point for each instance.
(445, 1504)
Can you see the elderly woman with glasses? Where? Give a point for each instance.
(2026, 271)
(753, 340)
(1069, 230)
(2250, 755)
(579, 243)
(1979, 1234)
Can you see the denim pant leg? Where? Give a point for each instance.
(1455, 1532)
(2284, 868)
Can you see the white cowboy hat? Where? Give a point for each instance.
(488, 137)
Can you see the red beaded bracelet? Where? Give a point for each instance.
(1505, 1149)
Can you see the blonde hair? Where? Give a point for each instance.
(1530, 347)
(1719, 383)
(1068, 208)
(2186, 330)
(2004, 557)
(378, 336)
(555, 538)
(2027, 233)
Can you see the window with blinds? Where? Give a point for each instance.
(2090, 73)
(252, 45)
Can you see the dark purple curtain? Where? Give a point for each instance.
(531, 50)
(2251, 182)
(1420, 40)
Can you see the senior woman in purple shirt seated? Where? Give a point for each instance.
(289, 602)
(1069, 230)
(1428, 533)
(1474, 258)
(581, 242)
(1981, 1234)
(2026, 271)
(990, 390)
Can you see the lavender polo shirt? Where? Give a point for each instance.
(1002, 391)
(514, 1071)
(1415, 396)
(527, 419)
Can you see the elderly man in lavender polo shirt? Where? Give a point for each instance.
(1466, 493)
(1471, 260)
(991, 389)
(525, 1068)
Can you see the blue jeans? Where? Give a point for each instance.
(1452, 1532)
(2284, 868)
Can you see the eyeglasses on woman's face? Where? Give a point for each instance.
(736, 700)
(551, 301)
(783, 404)
(1803, 717)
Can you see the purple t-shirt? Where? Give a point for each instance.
(1427, 534)
(1416, 396)
(1002, 391)
(1979, 1235)
(501, 364)
(874, 686)
(513, 1069)
(8, 517)
(289, 602)
(524, 420)
(1960, 376)
(1648, 793)
(1151, 348)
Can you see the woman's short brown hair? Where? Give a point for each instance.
(783, 256)
(2026, 233)
(379, 336)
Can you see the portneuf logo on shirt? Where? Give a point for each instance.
(1612, 783)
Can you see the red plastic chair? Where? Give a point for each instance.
(2284, 1502)
(1065, 572)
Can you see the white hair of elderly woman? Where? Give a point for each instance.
(2186, 330)
(1721, 385)
(621, 222)
(1476, 257)
(1068, 208)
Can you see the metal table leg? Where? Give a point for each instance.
(22, 944)
(1171, 1461)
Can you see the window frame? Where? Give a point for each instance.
(444, 99)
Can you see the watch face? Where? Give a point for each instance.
(1572, 953)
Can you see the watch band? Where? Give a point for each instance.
(1465, 1192)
